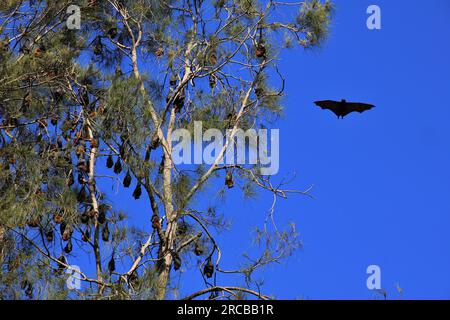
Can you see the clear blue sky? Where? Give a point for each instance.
(382, 178)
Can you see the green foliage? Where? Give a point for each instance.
(314, 19)
(83, 110)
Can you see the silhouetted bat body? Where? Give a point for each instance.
(343, 108)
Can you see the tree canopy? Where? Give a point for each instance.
(85, 109)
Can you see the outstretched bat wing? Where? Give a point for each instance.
(358, 107)
(329, 105)
(343, 108)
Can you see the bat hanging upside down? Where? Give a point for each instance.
(343, 108)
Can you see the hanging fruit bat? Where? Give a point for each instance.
(57, 95)
(98, 48)
(62, 227)
(37, 52)
(94, 143)
(159, 52)
(198, 249)
(67, 233)
(182, 228)
(42, 123)
(123, 151)
(109, 162)
(212, 56)
(86, 235)
(84, 97)
(148, 150)
(259, 91)
(90, 212)
(81, 179)
(230, 120)
(12, 159)
(179, 101)
(208, 270)
(176, 261)
(58, 218)
(27, 100)
(84, 218)
(49, 235)
(24, 284)
(102, 210)
(127, 180)
(111, 265)
(118, 166)
(34, 223)
(82, 165)
(101, 110)
(343, 108)
(229, 180)
(153, 145)
(59, 142)
(133, 278)
(173, 80)
(105, 233)
(260, 51)
(156, 224)
(212, 81)
(113, 32)
(62, 262)
(137, 192)
(101, 217)
(260, 47)
(82, 196)
(29, 290)
(4, 44)
(68, 247)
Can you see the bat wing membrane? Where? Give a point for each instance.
(329, 105)
(341, 109)
(358, 107)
